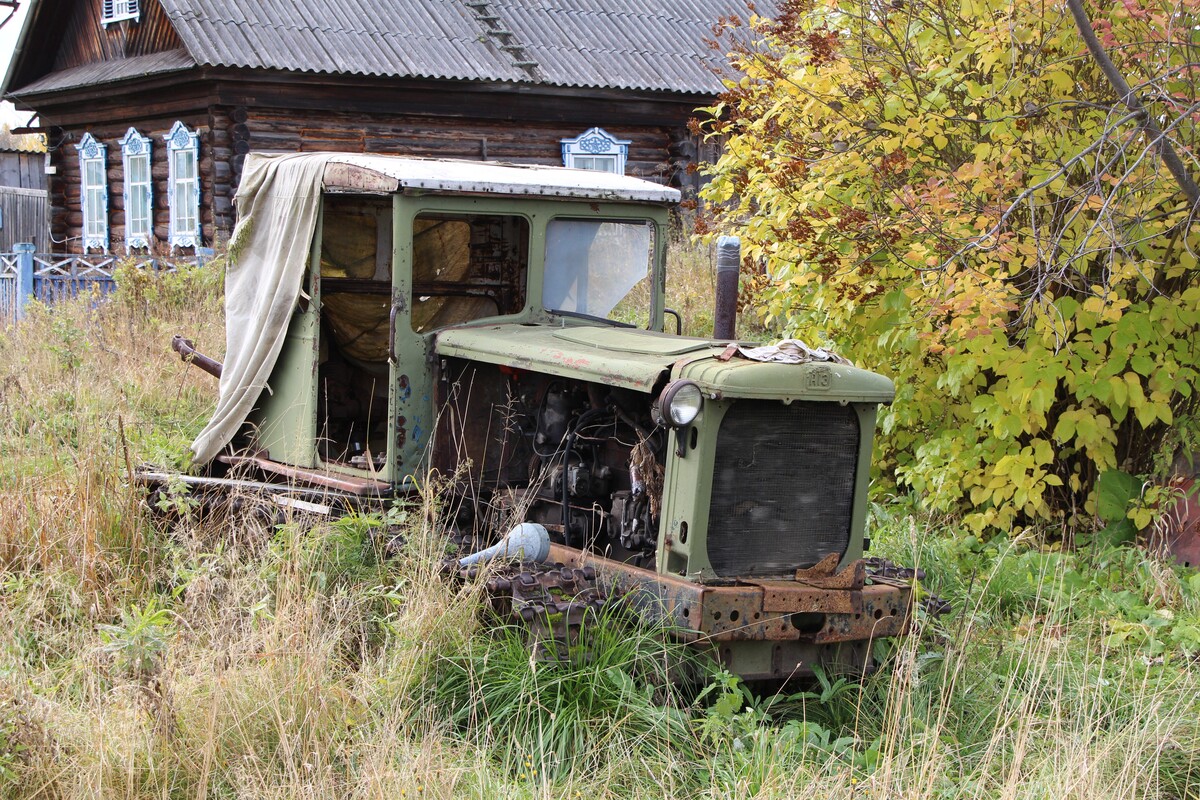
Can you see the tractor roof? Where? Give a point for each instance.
(351, 172)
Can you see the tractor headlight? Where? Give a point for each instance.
(678, 404)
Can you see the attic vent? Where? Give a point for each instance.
(495, 32)
(117, 10)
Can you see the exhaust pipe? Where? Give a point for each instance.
(528, 541)
(729, 264)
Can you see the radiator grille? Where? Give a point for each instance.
(783, 487)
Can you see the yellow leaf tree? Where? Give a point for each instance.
(955, 194)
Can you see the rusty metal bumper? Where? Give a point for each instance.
(755, 610)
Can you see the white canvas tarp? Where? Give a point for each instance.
(277, 201)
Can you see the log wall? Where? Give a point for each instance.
(228, 134)
(486, 125)
(523, 142)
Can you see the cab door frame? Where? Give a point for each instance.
(411, 411)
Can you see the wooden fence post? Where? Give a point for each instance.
(24, 251)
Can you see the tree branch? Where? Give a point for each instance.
(1170, 158)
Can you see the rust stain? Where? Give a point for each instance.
(576, 362)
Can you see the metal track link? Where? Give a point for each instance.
(552, 602)
(880, 570)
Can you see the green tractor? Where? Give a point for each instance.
(504, 325)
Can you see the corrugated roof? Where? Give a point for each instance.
(21, 142)
(621, 44)
(109, 71)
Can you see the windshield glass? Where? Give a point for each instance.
(601, 269)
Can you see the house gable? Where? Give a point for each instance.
(86, 40)
(64, 36)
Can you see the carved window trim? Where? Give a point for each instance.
(137, 163)
(116, 10)
(183, 186)
(596, 149)
(93, 192)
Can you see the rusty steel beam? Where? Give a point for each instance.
(752, 610)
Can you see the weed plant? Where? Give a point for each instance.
(611, 695)
(221, 657)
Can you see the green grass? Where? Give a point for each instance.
(218, 660)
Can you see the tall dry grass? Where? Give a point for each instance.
(140, 659)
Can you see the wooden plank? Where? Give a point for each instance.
(23, 218)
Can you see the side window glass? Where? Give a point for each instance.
(600, 269)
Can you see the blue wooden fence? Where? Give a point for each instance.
(26, 276)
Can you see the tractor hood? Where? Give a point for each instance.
(631, 359)
(641, 360)
(764, 380)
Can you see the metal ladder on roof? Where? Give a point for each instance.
(506, 40)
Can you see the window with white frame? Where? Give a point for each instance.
(93, 192)
(183, 186)
(596, 149)
(139, 205)
(117, 10)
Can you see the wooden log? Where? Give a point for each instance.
(276, 140)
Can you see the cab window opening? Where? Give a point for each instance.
(352, 360)
(467, 267)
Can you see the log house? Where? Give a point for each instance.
(613, 82)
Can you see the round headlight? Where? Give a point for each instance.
(680, 403)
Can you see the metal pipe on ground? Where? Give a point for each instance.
(729, 262)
